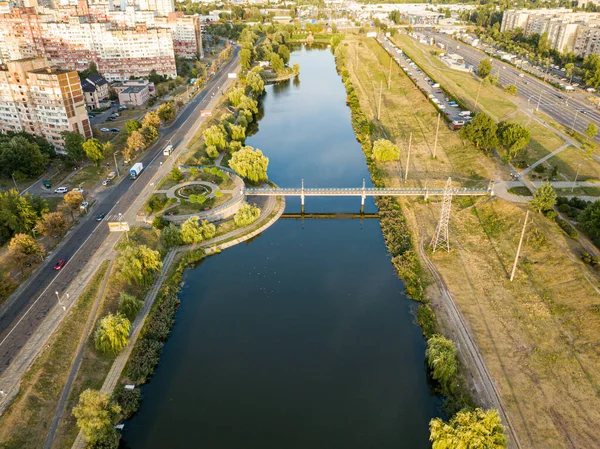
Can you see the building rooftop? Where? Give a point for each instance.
(96, 79)
(134, 89)
(87, 86)
(50, 71)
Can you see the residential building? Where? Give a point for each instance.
(42, 100)
(95, 92)
(566, 30)
(118, 51)
(134, 93)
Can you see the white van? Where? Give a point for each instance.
(168, 150)
(464, 113)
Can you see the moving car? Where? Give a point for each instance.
(61, 190)
(100, 217)
(46, 183)
(61, 263)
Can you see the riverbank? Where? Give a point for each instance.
(516, 326)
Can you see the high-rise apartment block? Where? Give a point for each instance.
(42, 100)
(566, 30)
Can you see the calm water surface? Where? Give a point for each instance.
(301, 338)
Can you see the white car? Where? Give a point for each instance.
(61, 190)
(105, 130)
(77, 189)
(84, 205)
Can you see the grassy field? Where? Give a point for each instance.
(25, 423)
(493, 101)
(538, 334)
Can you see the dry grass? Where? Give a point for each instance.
(25, 423)
(570, 159)
(538, 334)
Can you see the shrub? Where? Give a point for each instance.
(128, 400)
(426, 319)
(155, 203)
(564, 208)
(175, 174)
(129, 305)
(212, 152)
(565, 226)
(160, 222)
(144, 360)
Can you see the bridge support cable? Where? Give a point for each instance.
(441, 238)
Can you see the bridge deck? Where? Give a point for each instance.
(372, 191)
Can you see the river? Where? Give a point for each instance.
(303, 337)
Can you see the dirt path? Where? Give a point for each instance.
(467, 347)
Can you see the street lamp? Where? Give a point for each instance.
(60, 302)
(116, 165)
(576, 176)
(13, 178)
(574, 119)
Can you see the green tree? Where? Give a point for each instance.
(246, 215)
(74, 145)
(129, 305)
(255, 82)
(482, 131)
(284, 52)
(150, 134)
(132, 125)
(22, 156)
(94, 150)
(544, 198)
(484, 68)
(96, 414)
(112, 333)
(17, 214)
(246, 58)
(215, 136)
(138, 264)
(53, 224)
(384, 150)
(477, 429)
(237, 133)
(207, 229)
(543, 46)
(511, 89)
(166, 111)
(589, 220)
(569, 67)
(591, 130)
(277, 63)
(24, 250)
(191, 231)
(514, 137)
(170, 236)
(442, 361)
(250, 164)
(159, 222)
(591, 70)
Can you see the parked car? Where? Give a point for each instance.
(111, 119)
(100, 217)
(114, 130)
(122, 107)
(61, 190)
(61, 263)
(112, 175)
(77, 189)
(105, 130)
(84, 205)
(106, 182)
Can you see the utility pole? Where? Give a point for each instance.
(116, 165)
(437, 129)
(390, 73)
(478, 91)
(380, 95)
(574, 119)
(512, 275)
(539, 99)
(408, 158)
(576, 176)
(13, 178)
(441, 238)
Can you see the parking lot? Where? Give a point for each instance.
(440, 99)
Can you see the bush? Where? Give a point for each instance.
(128, 400)
(565, 226)
(564, 208)
(143, 361)
(129, 305)
(426, 319)
(155, 203)
(160, 222)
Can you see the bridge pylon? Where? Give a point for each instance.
(441, 238)
(363, 197)
(302, 196)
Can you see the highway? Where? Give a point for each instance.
(23, 313)
(563, 107)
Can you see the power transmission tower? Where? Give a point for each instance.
(441, 238)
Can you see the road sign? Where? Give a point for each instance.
(205, 113)
(118, 226)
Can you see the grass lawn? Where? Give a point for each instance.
(584, 141)
(186, 208)
(570, 159)
(520, 190)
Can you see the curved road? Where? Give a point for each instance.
(23, 313)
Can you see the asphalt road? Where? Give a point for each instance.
(21, 316)
(566, 108)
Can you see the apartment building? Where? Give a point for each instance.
(118, 51)
(187, 34)
(43, 100)
(95, 92)
(566, 30)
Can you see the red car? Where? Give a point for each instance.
(61, 263)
